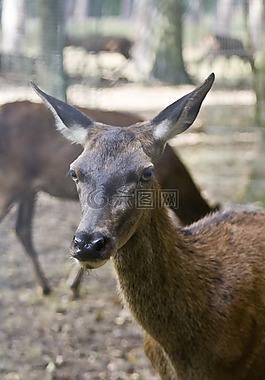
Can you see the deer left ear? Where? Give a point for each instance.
(180, 115)
(71, 122)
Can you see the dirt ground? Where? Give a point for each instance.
(93, 338)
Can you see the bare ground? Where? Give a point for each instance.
(93, 338)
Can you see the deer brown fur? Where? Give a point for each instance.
(197, 291)
(97, 43)
(34, 157)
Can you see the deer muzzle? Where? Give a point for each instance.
(91, 250)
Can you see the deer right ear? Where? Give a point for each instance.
(180, 115)
(71, 122)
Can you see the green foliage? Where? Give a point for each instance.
(99, 8)
(33, 8)
(208, 5)
(106, 25)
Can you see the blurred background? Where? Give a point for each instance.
(171, 41)
(133, 55)
(129, 56)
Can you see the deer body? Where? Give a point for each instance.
(226, 46)
(34, 157)
(198, 291)
(97, 43)
(204, 306)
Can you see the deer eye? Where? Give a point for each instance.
(147, 174)
(73, 175)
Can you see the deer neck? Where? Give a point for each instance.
(156, 276)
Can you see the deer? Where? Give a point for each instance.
(226, 46)
(197, 291)
(97, 43)
(34, 158)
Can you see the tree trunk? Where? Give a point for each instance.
(255, 23)
(259, 84)
(13, 26)
(256, 186)
(169, 65)
(51, 73)
(143, 51)
(81, 9)
(126, 8)
(223, 16)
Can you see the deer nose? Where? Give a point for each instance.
(89, 247)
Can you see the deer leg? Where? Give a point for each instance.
(3, 213)
(74, 281)
(5, 204)
(159, 359)
(24, 234)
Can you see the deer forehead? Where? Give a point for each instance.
(116, 151)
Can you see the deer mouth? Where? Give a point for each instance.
(92, 264)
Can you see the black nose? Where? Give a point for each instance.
(89, 246)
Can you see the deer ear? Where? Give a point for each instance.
(71, 122)
(179, 116)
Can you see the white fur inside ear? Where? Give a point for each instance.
(162, 130)
(76, 133)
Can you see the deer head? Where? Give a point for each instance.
(116, 165)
